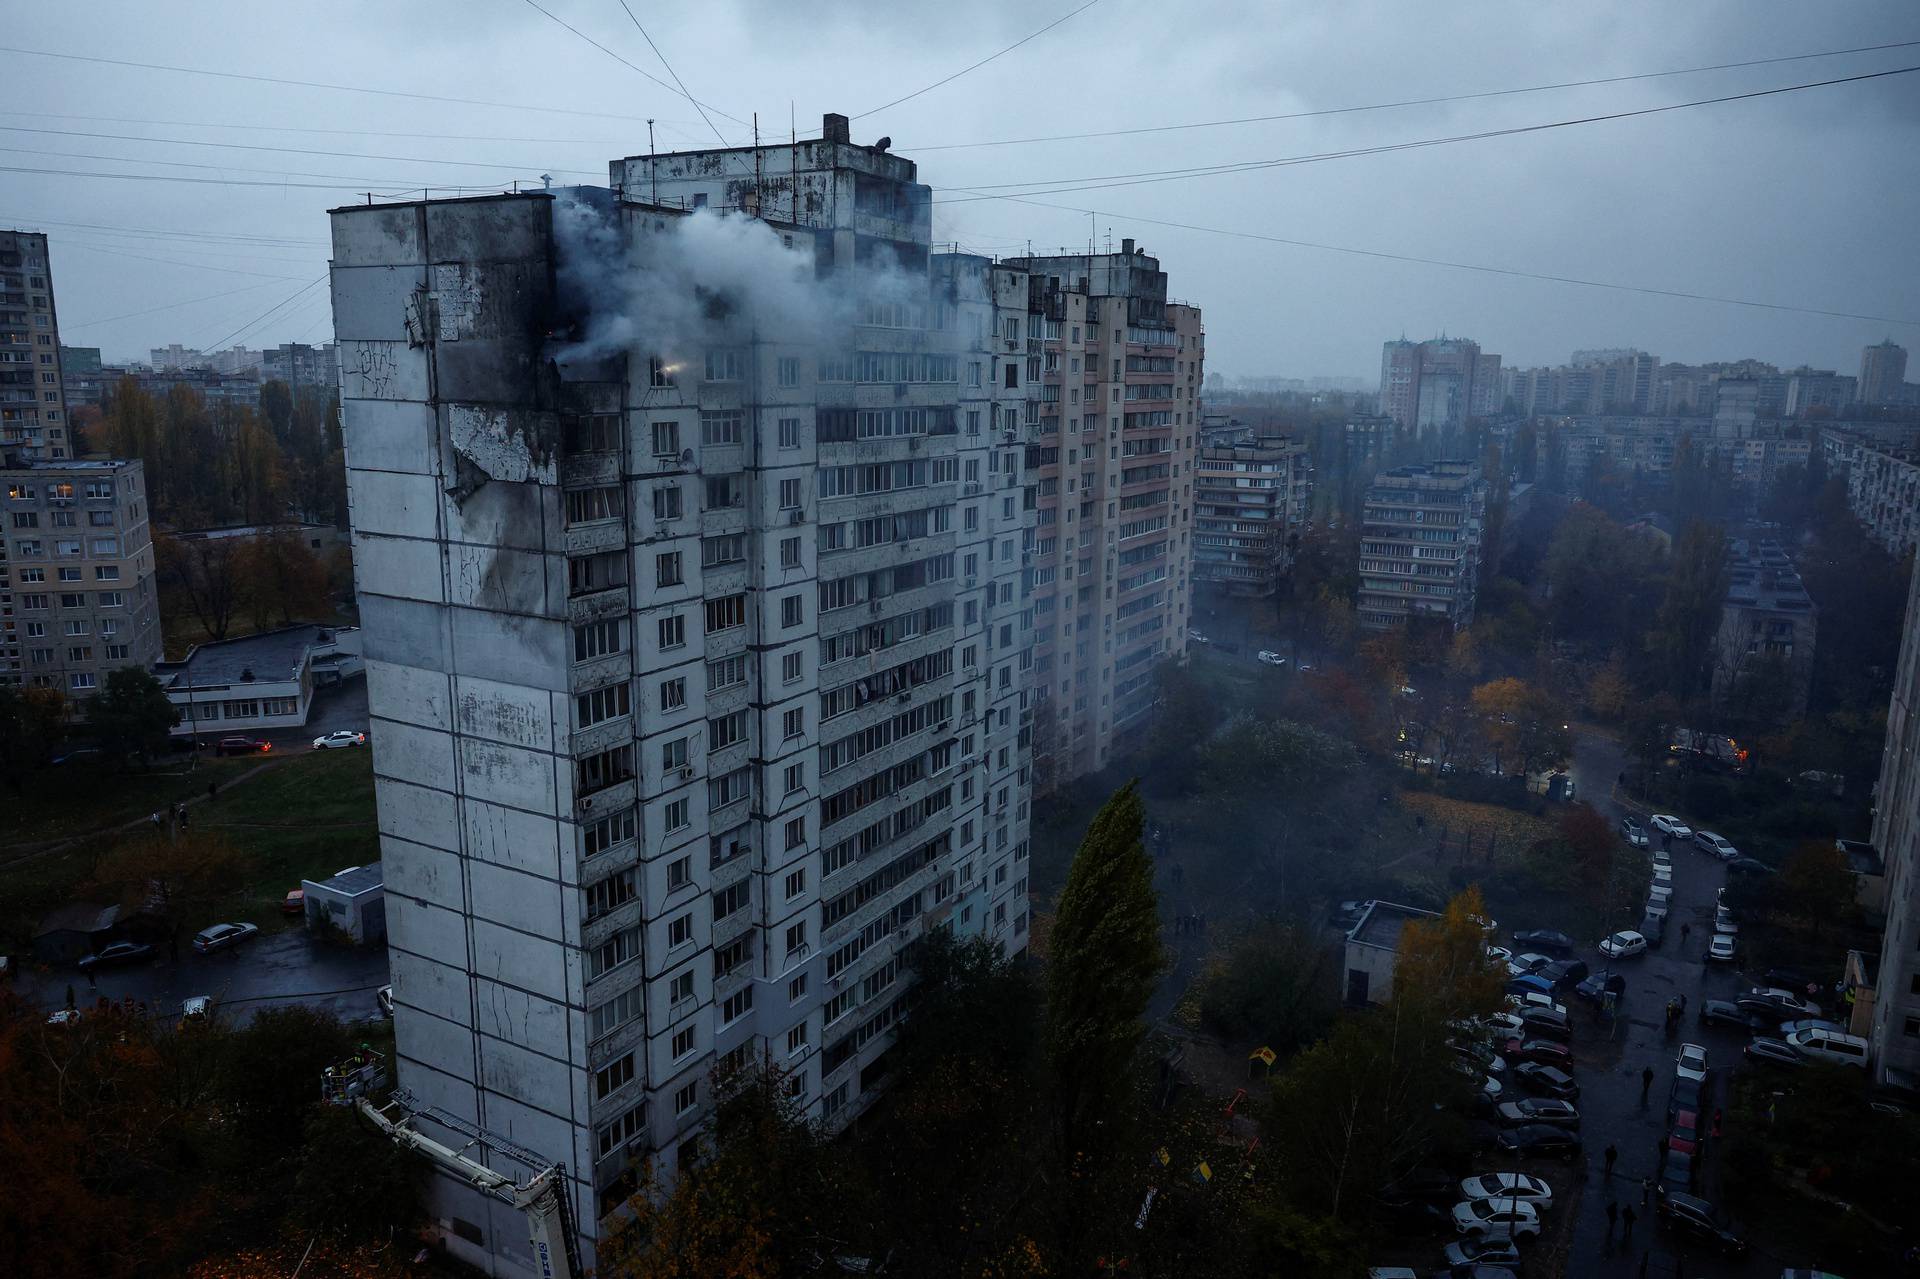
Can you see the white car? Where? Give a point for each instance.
(1499, 954)
(1663, 874)
(1692, 1062)
(1530, 962)
(1622, 944)
(1504, 1026)
(1662, 893)
(1661, 857)
(1496, 1219)
(1667, 824)
(1534, 999)
(1271, 658)
(339, 738)
(1716, 844)
(1198, 638)
(1720, 949)
(1508, 1185)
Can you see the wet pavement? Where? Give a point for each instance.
(274, 970)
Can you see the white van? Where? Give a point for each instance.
(1829, 1046)
(1661, 893)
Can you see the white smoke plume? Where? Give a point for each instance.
(707, 280)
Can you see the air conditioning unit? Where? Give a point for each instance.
(797, 516)
(971, 582)
(913, 443)
(873, 606)
(684, 772)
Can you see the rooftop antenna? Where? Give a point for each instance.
(653, 166)
(546, 182)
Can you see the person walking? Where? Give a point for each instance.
(1646, 1190)
(1626, 1223)
(1608, 1156)
(1646, 1085)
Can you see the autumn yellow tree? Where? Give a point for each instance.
(1443, 965)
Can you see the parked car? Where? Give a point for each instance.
(1787, 1028)
(1653, 924)
(1693, 1217)
(1483, 1252)
(1550, 1081)
(1767, 1051)
(1538, 1110)
(1565, 973)
(1270, 658)
(1498, 954)
(1722, 1012)
(1720, 949)
(1749, 866)
(1623, 944)
(1718, 845)
(384, 997)
(1433, 1185)
(242, 746)
(1530, 984)
(1659, 894)
(1508, 1185)
(1667, 824)
(1544, 1023)
(1633, 832)
(338, 739)
(1691, 1063)
(295, 902)
(1502, 1025)
(1548, 1052)
(1547, 939)
(1595, 988)
(1688, 1094)
(1663, 874)
(1543, 1140)
(1496, 1219)
(1684, 1136)
(1829, 1047)
(1483, 1058)
(116, 952)
(1661, 857)
(1723, 922)
(1773, 997)
(1677, 1171)
(1521, 965)
(1786, 978)
(1197, 637)
(195, 1011)
(1532, 996)
(223, 937)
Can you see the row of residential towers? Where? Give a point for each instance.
(709, 668)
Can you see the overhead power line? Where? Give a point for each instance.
(1409, 102)
(385, 190)
(534, 4)
(71, 243)
(272, 241)
(290, 128)
(264, 315)
(154, 310)
(519, 167)
(1151, 176)
(315, 84)
(975, 66)
(670, 71)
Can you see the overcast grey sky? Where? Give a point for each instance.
(1807, 199)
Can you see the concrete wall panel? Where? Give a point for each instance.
(408, 694)
(400, 504)
(528, 962)
(506, 713)
(432, 931)
(512, 648)
(410, 754)
(506, 1013)
(432, 987)
(416, 814)
(389, 435)
(398, 566)
(415, 870)
(405, 632)
(491, 577)
(515, 900)
(510, 774)
(382, 371)
(507, 837)
(508, 515)
(378, 236)
(380, 303)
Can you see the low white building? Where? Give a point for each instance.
(256, 682)
(1373, 950)
(353, 900)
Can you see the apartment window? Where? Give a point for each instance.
(118, 652)
(796, 832)
(679, 873)
(611, 1137)
(676, 816)
(594, 433)
(789, 552)
(793, 723)
(726, 731)
(673, 632)
(725, 614)
(615, 1013)
(726, 365)
(730, 899)
(608, 831)
(732, 956)
(82, 654)
(680, 931)
(727, 672)
(720, 426)
(727, 548)
(658, 374)
(666, 440)
(789, 432)
(666, 569)
(683, 1041)
(26, 519)
(796, 778)
(685, 1099)
(1912, 1027)
(666, 502)
(601, 704)
(78, 627)
(613, 952)
(680, 989)
(599, 639)
(673, 755)
(673, 694)
(789, 495)
(606, 768)
(597, 572)
(613, 1076)
(789, 667)
(736, 1006)
(797, 1039)
(584, 506)
(796, 939)
(787, 371)
(797, 989)
(724, 492)
(73, 599)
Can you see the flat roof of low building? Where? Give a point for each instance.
(1380, 924)
(351, 882)
(268, 656)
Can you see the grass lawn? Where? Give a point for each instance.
(307, 816)
(85, 796)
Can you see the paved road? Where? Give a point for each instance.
(274, 970)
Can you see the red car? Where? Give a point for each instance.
(242, 746)
(294, 903)
(1686, 1134)
(1544, 1051)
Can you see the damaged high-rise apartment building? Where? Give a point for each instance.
(697, 558)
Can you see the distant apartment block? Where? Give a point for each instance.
(1883, 373)
(33, 410)
(300, 365)
(1438, 384)
(1818, 391)
(1883, 491)
(1768, 628)
(1420, 544)
(1250, 501)
(77, 597)
(1895, 1034)
(1120, 369)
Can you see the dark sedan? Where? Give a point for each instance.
(1772, 1052)
(1538, 1110)
(1549, 1080)
(1547, 1052)
(1677, 1171)
(1565, 974)
(1722, 1012)
(1688, 1094)
(119, 952)
(1692, 1217)
(1544, 939)
(1544, 1023)
(1540, 1139)
(1594, 988)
